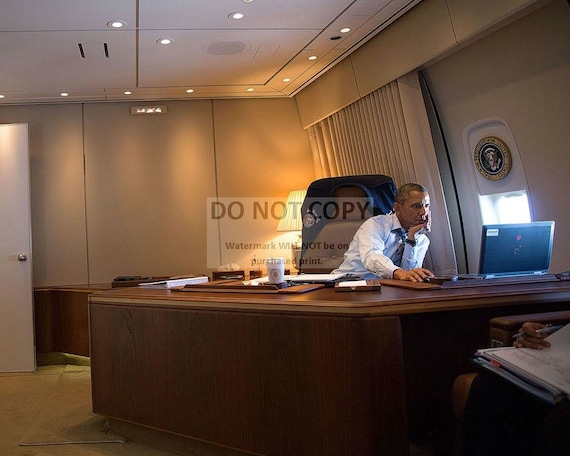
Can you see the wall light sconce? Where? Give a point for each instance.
(141, 110)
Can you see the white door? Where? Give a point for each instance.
(17, 351)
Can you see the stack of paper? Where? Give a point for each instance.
(544, 373)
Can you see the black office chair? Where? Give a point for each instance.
(332, 211)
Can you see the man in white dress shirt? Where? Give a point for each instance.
(393, 246)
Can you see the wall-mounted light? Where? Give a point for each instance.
(141, 110)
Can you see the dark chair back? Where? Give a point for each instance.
(333, 209)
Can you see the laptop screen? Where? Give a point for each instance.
(516, 249)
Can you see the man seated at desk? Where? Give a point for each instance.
(393, 246)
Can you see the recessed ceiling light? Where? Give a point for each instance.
(116, 24)
(248, 1)
(64, 94)
(127, 92)
(287, 80)
(237, 15)
(1, 96)
(189, 90)
(250, 89)
(313, 57)
(165, 41)
(345, 30)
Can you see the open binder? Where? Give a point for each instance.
(543, 373)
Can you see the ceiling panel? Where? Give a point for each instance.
(49, 47)
(58, 15)
(51, 60)
(216, 57)
(260, 14)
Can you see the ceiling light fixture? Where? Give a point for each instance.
(189, 90)
(165, 41)
(116, 24)
(237, 15)
(286, 79)
(64, 94)
(1, 96)
(345, 30)
(141, 110)
(250, 89)
(313, 57)
(127, 92)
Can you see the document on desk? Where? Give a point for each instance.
(175, 282)
(358, 285)
(546, 372)
(318, 278)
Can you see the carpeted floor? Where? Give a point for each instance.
(48, 413)
(66, 416)
(31, 413)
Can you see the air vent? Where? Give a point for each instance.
(93, 50)
(227, 47)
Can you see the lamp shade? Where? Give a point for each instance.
(292, 219)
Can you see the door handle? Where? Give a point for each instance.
(22, 257)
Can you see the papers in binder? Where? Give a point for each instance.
(175, 282)
(544, 373)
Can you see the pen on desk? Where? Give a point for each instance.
(546, 330)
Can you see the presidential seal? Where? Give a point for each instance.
(492, 158)
(310, 218)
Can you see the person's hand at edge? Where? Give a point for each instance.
(530, 338)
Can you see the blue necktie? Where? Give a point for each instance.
(401, 233)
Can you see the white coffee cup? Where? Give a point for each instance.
(275, 270)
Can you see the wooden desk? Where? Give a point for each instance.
(61, 318)
(322, 373)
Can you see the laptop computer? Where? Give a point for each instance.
(516, 249)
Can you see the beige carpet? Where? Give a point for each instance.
(66, 416)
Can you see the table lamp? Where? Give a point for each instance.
(292, 220)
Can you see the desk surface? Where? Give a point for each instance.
(390, 301)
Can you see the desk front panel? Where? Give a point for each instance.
(274, 384)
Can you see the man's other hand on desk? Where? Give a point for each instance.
(413, 275)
